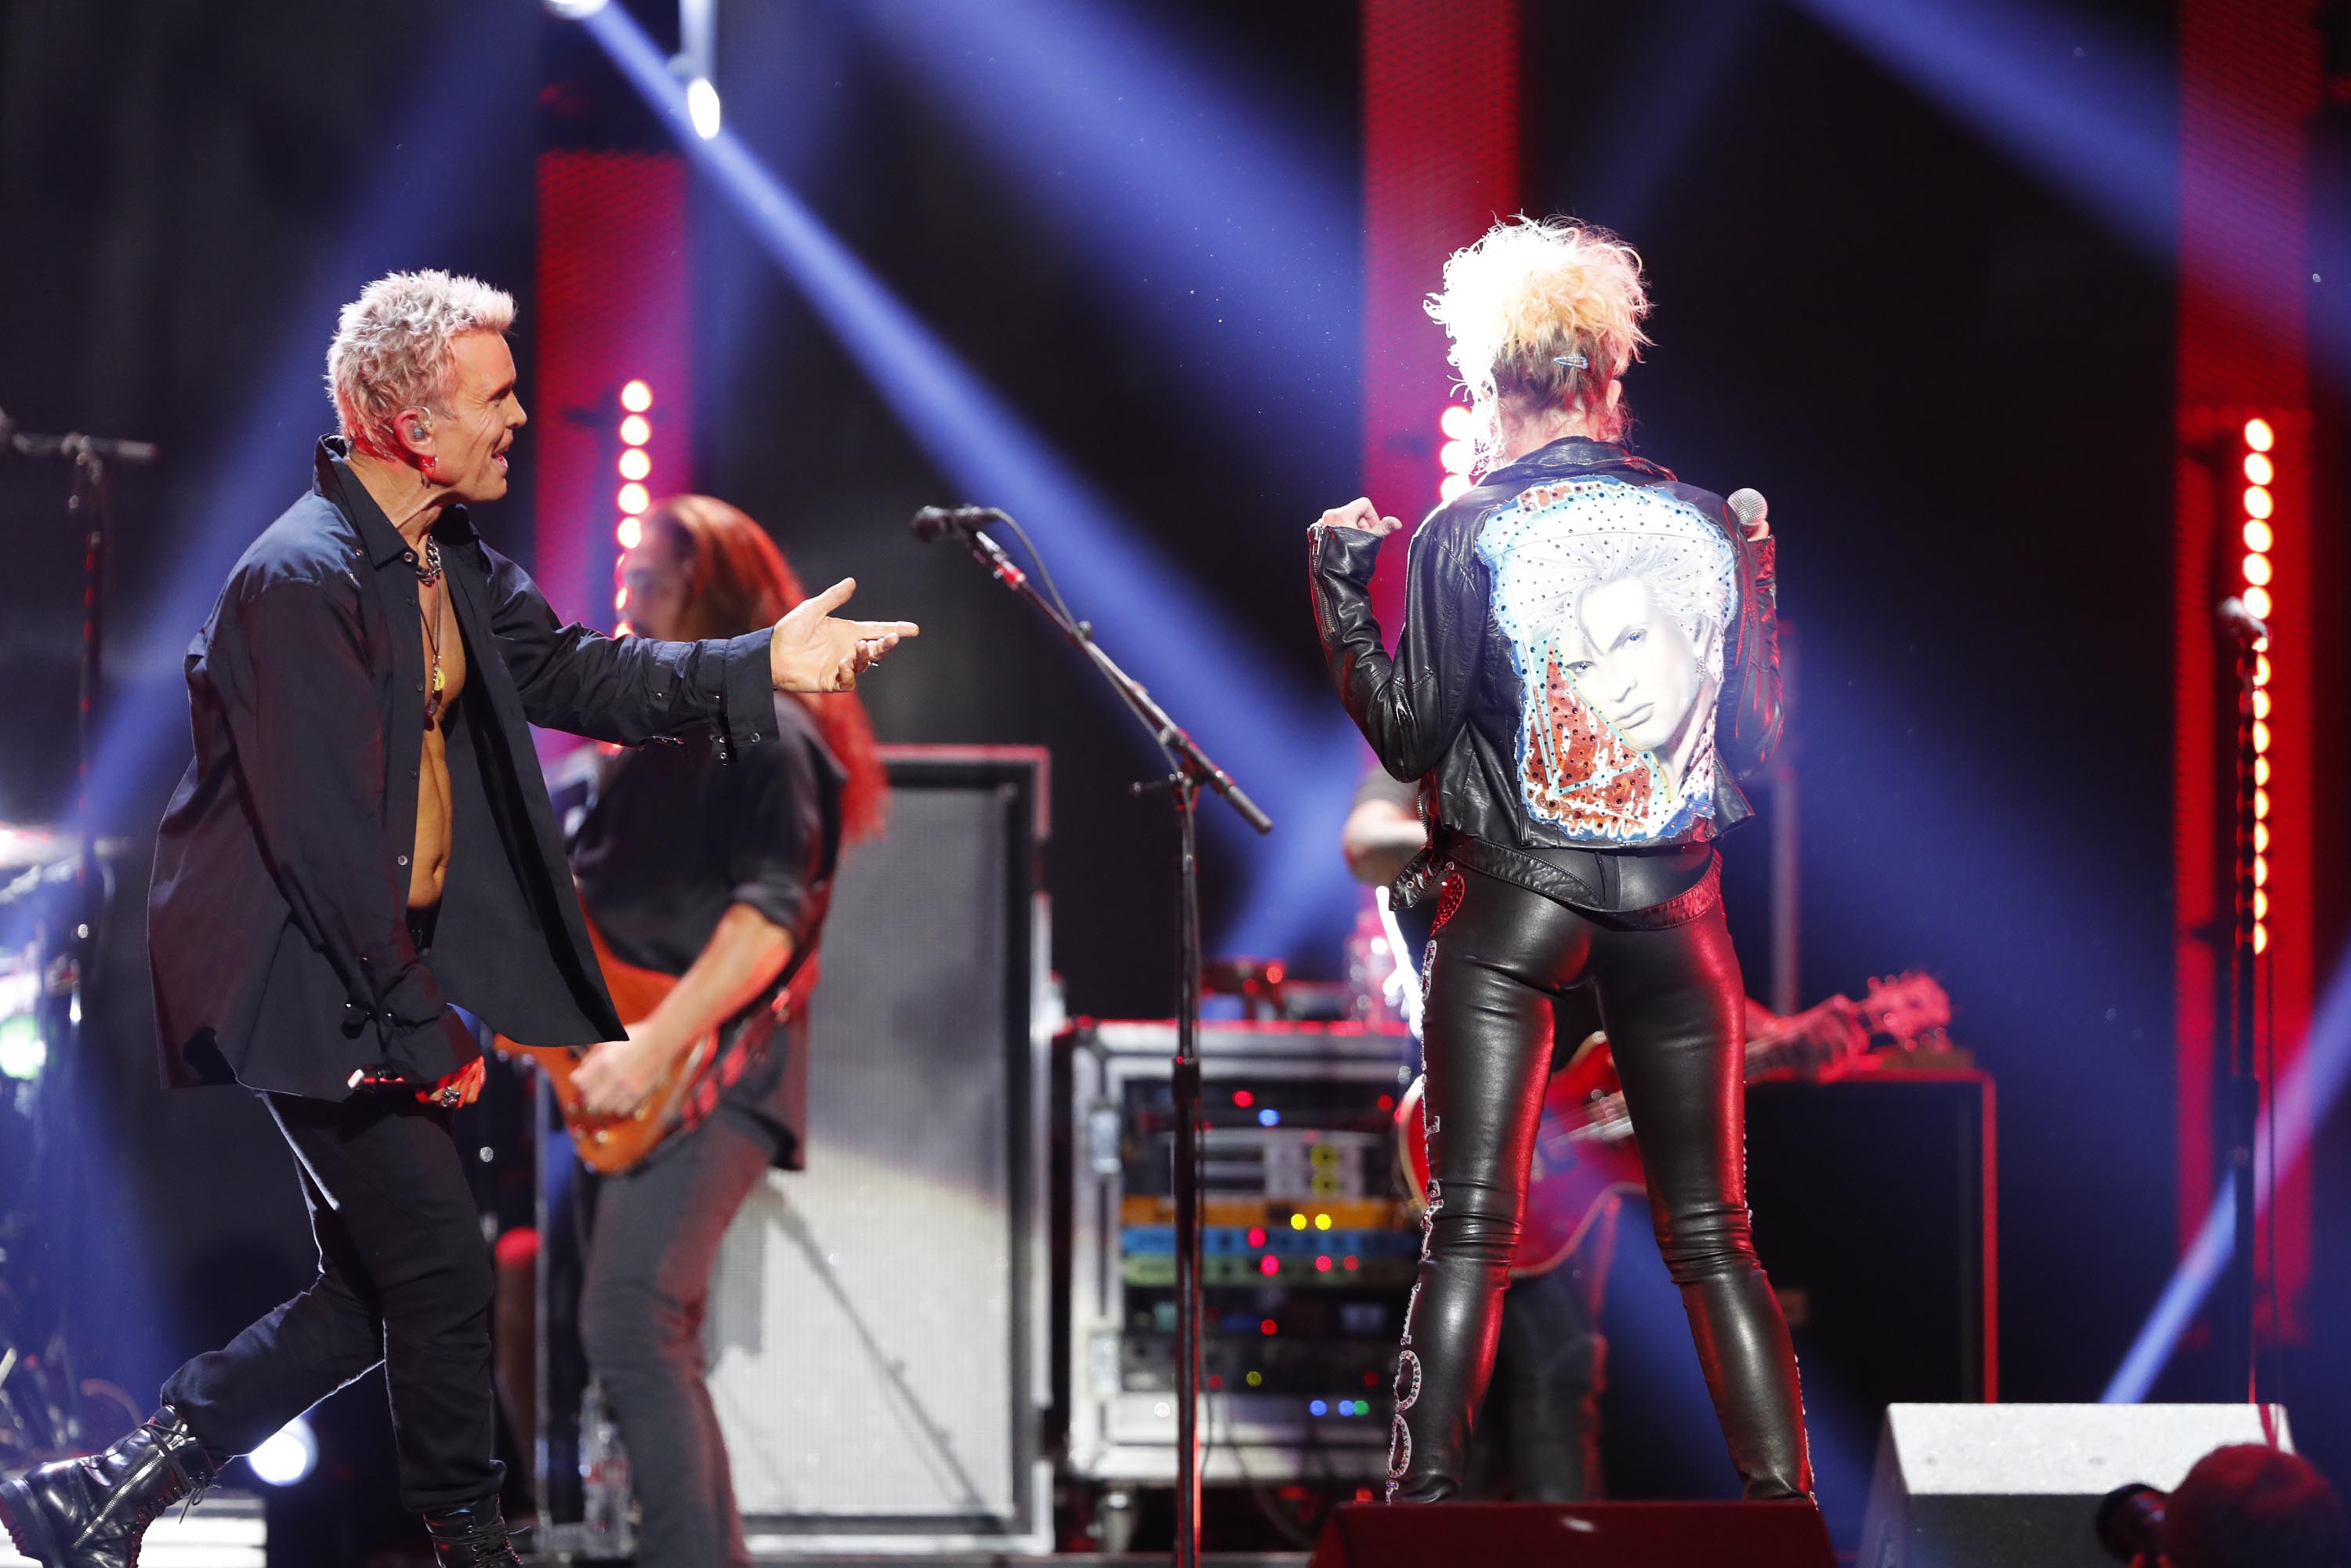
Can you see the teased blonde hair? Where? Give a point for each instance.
(394, 349)
(1528, 294)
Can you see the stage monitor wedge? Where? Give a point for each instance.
(2017, 1486)
(1574, 1535)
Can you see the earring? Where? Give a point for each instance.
(425, 463)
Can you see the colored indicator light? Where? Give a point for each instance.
(1455, 422)
(632, 500)
(1268, 1328)
(1256, 1234)
(636, 397)
(1255, 1379)
(1371, 1380)
(1297, 1222)
(2259, 469)
(1322, 1265)
(1216, 1380)
(1387, 1102)
(1269, 1117)
(2257, 569)
(1352, 1263)
(2258, 503)
(636, 430)
(1317, 1407)
(1244, 1099)
(1322, 1222)
(1269, 1265)
(631, 532)
(2257, 599)
(2259, 435)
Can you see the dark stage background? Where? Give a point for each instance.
(1954, 386)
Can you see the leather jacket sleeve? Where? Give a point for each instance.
(1409, 707)
(1748, 716)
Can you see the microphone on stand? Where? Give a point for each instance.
(2242, 624)
(932, 522)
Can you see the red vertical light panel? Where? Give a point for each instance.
(613, 307)
(1441, 135)
(2249, 74)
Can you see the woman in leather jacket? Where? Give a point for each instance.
(1589, 658)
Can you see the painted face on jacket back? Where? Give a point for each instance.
(1634, 662)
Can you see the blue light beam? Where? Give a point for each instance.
(2090, 111)
(1277, 737)
(1218, 220)
(2301, 1099)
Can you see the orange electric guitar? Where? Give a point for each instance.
(1584, 1154)
(610, 1144)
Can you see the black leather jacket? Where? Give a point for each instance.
(1451, 707)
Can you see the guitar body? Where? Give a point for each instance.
(610, 1144)
(1585, 1158)
(1573, 1181)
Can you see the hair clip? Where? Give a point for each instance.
(1573, 361)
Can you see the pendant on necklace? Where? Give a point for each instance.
(432, 703)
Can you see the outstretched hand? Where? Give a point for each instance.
(813, 651)
(1361, 514)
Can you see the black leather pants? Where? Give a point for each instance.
(1673, 1004)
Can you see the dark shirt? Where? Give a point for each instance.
(673, 839)
(278, 920)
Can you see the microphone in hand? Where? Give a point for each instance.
(2242, 624)
(932, 522)
(1752, 512)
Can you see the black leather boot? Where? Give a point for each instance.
(90, 1512)
(471, 1537)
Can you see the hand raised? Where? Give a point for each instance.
(1361, 514)
(813, 651)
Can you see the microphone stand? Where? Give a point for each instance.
(1189, 768)
(88, 506)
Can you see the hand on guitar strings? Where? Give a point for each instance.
(617, 1077)
(811, 650)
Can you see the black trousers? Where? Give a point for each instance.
(657, 1233)
(1538, 1433)
(404, 1282)
(1672, 1004)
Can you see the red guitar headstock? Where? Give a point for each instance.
(1905, 1007)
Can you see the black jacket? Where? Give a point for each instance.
(1450, 707)
(278, 919)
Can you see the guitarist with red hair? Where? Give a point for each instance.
(719, 875)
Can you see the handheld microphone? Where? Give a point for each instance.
(1749, 507)
(2242, 624)
(932, 522)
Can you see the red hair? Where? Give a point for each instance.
(736, 582)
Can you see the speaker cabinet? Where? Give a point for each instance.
(2017, 1486)
(877, 1328)
(1587, 1535)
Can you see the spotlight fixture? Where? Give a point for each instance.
(287, 1457)
(636, 467)
(1457, 451)
(701, 106)
(575, 10)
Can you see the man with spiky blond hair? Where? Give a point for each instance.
(363, 841)
(1588, 661)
